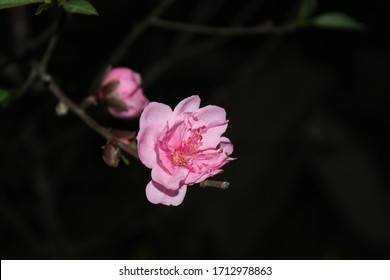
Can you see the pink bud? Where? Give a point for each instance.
(121, 91)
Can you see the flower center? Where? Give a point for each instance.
(189, 154)
(185, 155)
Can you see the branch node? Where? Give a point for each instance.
(215, 184)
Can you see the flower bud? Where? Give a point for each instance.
(122, 93)
(111, 154)
(124, 136)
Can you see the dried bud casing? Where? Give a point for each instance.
(124, 136)
(111, 154)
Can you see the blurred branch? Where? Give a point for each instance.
(179, 54)
(215, 184)
(56, 237)
(48, 53)
(26, 85)
(20, 29)
(266, 28)
(42, 37)
(131, 37)
(203, 11)
(20, 226)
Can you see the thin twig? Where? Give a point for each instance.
(267, 28)
(27, 84)
(105, 132)
(179, 54)
(61, 96)
(48, 53)
(215, 184)
(129, 40)
(42, 37)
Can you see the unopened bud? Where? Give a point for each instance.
(121, 92)
(126, 137)
(111, 154)
(61, 109)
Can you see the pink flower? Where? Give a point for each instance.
(122, 93)
(182, 147)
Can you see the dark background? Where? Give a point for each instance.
(309, 118)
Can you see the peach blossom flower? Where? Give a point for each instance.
(122, 93)
(182, 147)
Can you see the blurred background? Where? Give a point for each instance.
(309, 119)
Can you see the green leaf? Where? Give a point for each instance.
(80, 7)
(14, 3)
(336, 20)
(43, 7)
(5, 97)
(133, 145)
(125, 160)
(306, 9)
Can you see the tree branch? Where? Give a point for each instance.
(103, 131)
(62, 97)
(131, 37)
(266, 28)
(215, 184)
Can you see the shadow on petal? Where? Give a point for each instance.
(158, 194)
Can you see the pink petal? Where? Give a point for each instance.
(158, 194)
(155, 113)
(188, 105)
(170, 181)
(153, 120)
(128, 83)
(226, 145)
(137, 78)
(215, 161)
(174, 135)
(147, 146)
(136, 104)
(212, 135)
(212, 115)
(194, 178)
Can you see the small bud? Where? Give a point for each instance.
(115, 102)
(61, 109)
(111, 154)
(89, 101)
(122, 93)
(110, 87)
(126, 137)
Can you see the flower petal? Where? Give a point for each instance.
(212, 115)
(152, 121)
(212, 135)
(173, 181)
(155, 113)
(194, 178)
(188, 105)
(128, 83)
(135, 104)
(226, 145)
(158, 194)
(137, 78)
